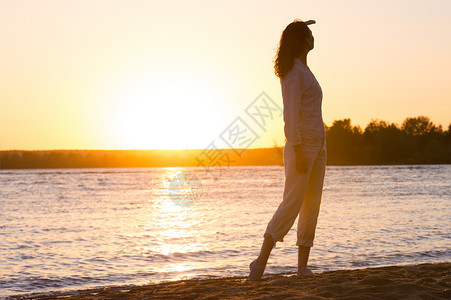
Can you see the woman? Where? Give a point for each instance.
(304, 152)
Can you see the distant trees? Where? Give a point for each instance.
(417, 141)
(344, 142)
(18, 159)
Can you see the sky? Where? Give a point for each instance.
(107, 74)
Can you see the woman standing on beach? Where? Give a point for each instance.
(304, 152)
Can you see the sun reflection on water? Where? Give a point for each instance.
(171, 228)
(127, 230)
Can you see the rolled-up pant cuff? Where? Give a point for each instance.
(304, 243)
(267, 234)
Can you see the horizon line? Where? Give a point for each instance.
(192, 149)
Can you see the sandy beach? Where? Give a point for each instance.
(423, 281)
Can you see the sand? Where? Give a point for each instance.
(424, 281)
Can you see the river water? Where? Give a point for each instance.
(68, 229)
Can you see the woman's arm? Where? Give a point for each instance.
(291, 94)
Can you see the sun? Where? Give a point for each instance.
(170, 109)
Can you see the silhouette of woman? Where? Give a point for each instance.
(304, 151)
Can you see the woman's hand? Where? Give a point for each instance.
(301, 160)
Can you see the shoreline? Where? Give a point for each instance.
(418, 281)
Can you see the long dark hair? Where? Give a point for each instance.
(291, 45)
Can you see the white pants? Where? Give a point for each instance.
(302, 193)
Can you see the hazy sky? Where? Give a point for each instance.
(176, 74)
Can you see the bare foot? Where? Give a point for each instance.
(257, 270)
(305, 272)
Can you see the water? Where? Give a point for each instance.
(67, 229)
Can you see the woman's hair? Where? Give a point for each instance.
(291, 45)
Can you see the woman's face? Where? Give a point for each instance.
(310, 41)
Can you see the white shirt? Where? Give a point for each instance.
(302, 98)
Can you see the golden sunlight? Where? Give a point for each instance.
(170, 109)
(176, 224)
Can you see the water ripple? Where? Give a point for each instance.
(71, 229)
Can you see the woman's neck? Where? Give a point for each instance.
(303, 58)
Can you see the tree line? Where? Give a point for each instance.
(416, 141)
(41, 159)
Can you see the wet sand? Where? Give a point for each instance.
(424, 281)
